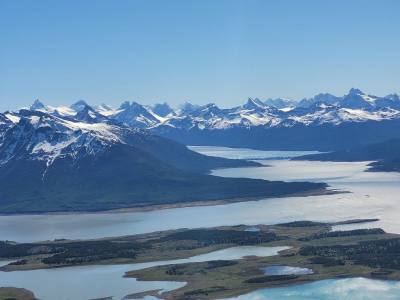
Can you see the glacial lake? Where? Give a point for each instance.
(332, 289)
(372, 195)
(90, 282)
(245, 153)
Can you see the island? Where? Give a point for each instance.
(11, 293)
(315, 251)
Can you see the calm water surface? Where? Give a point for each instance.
(89, 282)
(245, 153)
(372, 195)
(286, 270)
(340, 289)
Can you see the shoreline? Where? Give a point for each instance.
(10, 267)
(220, 278)
(204, 282)
(147, 208)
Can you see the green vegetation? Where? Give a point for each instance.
(124, 177)
(374, 254)
(165, 245)
(314, 246)
(215, 236)
(269, 278)
(10, 293)
(330, 234)
(302, 224)
(330, 254)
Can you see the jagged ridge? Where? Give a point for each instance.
(53, 160)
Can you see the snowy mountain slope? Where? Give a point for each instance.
(162, 109)
(317, 118)
(38, 135)
(45, 137)
(281, 103)
(324, 98)
(355, 106)
(356, 99)
(5, 123)
(324, 122)
(322, 109)
(134, 114)
(61, 110)
(50, 162)
(80, 157)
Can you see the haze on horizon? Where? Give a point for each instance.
(205, 51)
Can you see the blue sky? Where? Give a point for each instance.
(202, 51)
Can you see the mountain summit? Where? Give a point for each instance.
(87, 161)
(322, 122)
(37, 105)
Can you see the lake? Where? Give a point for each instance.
(332, 289)
(372, 195)
(89, 282)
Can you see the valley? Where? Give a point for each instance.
(183, 222)
(340, 176)
(191, 256)
(199, 150)
(88, 162)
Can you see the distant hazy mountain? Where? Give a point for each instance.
(77, 158)
(281, 103)
(162, 109)
(320, 98)
(386, 154)
(323, 122)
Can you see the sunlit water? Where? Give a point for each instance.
(335, 289)
(373, 195)
(245, 153)
(89, 282)
(286, 270)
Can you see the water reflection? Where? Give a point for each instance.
(339, 289)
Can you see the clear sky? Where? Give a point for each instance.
(203, 51)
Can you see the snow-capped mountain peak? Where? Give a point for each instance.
(325, 98)
(79, 105)
(100, 123)
(37, 104)
(89, 115)
(162, 109)
(187, 108)
(356, 99)
(355, 91)
(254, 103)
(45, 137)
(281, 103)
(106, 110)
(136, 115)
(392, 97)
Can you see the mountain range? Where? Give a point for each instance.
(83, 157)
(324, 122)
(80, 158)
(385, 156)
